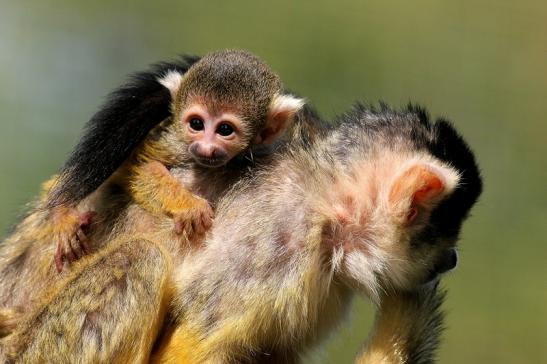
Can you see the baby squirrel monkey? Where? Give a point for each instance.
(207, 121)
(222, 107)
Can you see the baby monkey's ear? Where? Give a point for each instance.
(280, 114)
(172, 81)
(419, 188)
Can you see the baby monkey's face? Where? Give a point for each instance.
(214, 137)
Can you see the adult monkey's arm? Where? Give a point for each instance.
(407, 328)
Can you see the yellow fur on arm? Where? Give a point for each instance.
(407, 328)
(157, 191)
(389, 338)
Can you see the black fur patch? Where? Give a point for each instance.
(450, 147)
(129, 113)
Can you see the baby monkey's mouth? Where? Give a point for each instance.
(210, 162)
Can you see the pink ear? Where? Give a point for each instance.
(416, 189)
(429, 186)
(281, 112)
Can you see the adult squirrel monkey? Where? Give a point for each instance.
(374, 207)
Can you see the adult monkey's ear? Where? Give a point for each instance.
(419, 188)
(281, 113)
(119, 126)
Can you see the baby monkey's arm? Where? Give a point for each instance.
(65, 225)
(156, 190)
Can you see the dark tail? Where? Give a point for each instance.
(125, 119)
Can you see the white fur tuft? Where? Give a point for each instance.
(171, 81)
(361, 268)
(282, 104)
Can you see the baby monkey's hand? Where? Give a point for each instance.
(196, 220)
(70, 235)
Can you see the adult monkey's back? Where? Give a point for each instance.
(375, 207)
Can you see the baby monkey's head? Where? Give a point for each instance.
(227, 102)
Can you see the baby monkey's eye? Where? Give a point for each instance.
(196, 124)
(225, 129)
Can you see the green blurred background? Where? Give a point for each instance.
(482, 64)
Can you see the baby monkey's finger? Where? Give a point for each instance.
(59, 258)
(76, 247)
(84, 242)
